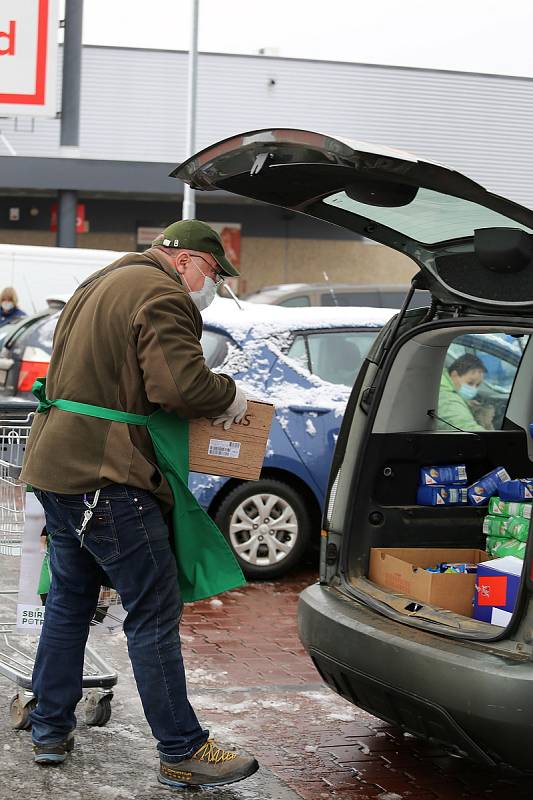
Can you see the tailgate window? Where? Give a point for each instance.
(477, 380)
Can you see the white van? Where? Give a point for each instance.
(38, 273)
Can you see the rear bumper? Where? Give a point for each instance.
(455, 693)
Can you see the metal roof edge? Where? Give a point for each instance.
(432, 70)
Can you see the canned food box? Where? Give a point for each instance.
(441, 496)
(521, 489)
(443, 476)
(482, 490)
(505, 508)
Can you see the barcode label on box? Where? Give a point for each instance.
(220, 447)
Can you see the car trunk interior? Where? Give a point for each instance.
(404, 438)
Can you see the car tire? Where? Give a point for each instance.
(265, 546)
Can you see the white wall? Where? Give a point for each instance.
(37, 273)
(134, 108)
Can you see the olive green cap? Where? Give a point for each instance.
(191, 234)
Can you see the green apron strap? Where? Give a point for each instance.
(39, 390)
(205, 562)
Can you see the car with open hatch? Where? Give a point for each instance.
(423, 612)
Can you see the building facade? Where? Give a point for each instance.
(133, 132)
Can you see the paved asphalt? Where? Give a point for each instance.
(253, 685)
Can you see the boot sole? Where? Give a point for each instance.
(54, 758)
(184, 784)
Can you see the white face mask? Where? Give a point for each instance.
(204, 296)
(7, 306)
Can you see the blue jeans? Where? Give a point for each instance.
(128, 541)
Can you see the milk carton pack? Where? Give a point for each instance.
(515, 491)
(441, 496)
(443, 476)
(489, 485)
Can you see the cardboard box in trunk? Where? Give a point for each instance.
(236, 453)
(403, 570)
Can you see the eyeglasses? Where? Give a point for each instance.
(214, 274)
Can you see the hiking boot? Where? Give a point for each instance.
(209, 766)
(55, 752)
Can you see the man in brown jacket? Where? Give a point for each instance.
(129, 340)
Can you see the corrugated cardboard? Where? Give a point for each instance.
(403, 569)
(238, 452)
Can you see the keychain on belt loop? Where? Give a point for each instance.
(87, 515)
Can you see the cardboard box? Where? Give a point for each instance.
(403, 569)
(497, 584)
(238, 452)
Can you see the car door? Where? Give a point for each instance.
(329, 360)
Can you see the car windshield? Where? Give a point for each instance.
(42, 335)
(6, 331)
(430, 218)
(16, 332)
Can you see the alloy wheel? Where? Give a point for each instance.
(263, 529)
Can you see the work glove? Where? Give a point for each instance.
(234, 412)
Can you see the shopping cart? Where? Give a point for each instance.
(17, 649)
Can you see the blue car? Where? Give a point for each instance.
(305, 361)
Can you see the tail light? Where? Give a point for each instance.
(34, 364)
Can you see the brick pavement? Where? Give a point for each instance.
(250, 677)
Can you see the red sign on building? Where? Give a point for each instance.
(82, 225)
(28, 57)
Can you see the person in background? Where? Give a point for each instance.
(9, 310)
(459, 386)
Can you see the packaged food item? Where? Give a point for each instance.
(450, 474)
(482, 490)
(495, 526)
(521, 489)
(441, 496)
(455, 568)
(497, 586)
(505, 508)
(506, 527)
(518, 528)
(505, 547)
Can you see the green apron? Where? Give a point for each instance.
(206, 564)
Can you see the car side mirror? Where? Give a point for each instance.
(503, 249)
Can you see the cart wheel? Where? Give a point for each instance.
(19, 713)
(98, 713)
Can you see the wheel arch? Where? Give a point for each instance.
(274, 473)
